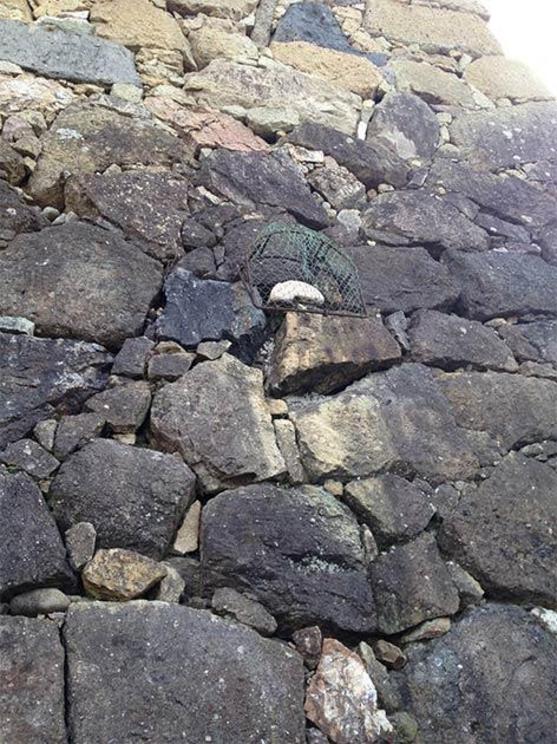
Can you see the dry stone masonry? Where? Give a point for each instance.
(226, 520)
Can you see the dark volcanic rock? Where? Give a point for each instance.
(31, 682)
(449, 341)
(73, 432)
(535, 341)
(406, 125)
(131, 360)
(406, 279)
(411, 584)
(135, 498)
(80, 281)
(488, 679)
(417, 217)
(503, 532)
(199, 310)
(297, 550)
(29, 456)
(60, 54)
(15, 215)
(250, 178)
(123, 407)
(215, 681)
(163, 200)
(498, 284)
(41, 376)
(31, 550)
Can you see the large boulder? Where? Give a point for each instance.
(31, 682)
(432, 84)
(498, 77)
(32, 553)
(488, 679)
(502, 532)
(70, 56)
(79, 281)
(134, 497)
(215, 681)
(227, 437)
(39, 377)
(298, 550)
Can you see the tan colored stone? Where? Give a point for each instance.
(235, 9)
(56, 7)
(28, 92)
(242, 89)
(432, 84)
(120, 575)
(435, 30)
(187, 537)
(137, 23)
(348, 71)
(498, 77)
(209, 43)
(463, 6)
(15, 10)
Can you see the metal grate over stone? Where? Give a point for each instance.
(287, 253)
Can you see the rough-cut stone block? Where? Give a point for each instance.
(498, 77)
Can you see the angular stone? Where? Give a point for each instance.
(199, 310)
(134, 497)
(406, 125)
(31, 550)
(80, 281)
(389, 654)
(89, 139)
(12, 167)
(41, 376)
(123, 407)
(498, 77)
(464, 698)
(428, 630)
(260, 695)
(172, 586)
(29, 456)
(517, 500)
(321, 353)
(115, 198)
(412, 584)
(298, 551)
(498, 284)
(406, 279)
(470, 590)
(507, 137)
(242, 448)
(245, 610)
(535, 341)
(80, 543)
(32, 661)
(15, 10)
(431, 84)
(512, 409)
(449, 341)
(342, 700)
(120, 575)
(243, 89)
(337, 186)
(70, 56)
(233, 9)
(39, 602)
(434, 30)
(213, 42)
(394, 508)
(260, 178)
(15, 215)
(308, 642)
(417, 217)
(462, 6)
(288, 446)
(346, 71)
(74, 431)
(187, 537)
(131, 360)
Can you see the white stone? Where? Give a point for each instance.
(292, 292)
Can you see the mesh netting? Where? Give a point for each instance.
(283, 253)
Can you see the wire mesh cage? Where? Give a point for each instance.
(287, 255)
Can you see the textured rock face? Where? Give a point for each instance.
(259, 682)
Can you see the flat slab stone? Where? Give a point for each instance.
(431, 84)
(32, 553)
(215, 680)
(39, 377)
(31, 682)
(59, 54)
(297, 550)
(450, 687)
(498, 77)
(80, 281)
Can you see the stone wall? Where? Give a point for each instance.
(219, 524)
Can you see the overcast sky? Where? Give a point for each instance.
(527, 30)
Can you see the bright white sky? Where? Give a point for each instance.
(527, 31)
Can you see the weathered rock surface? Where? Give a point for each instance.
(323, 353)
(502, 532)
(73, 432)
(452, 691)
(498, 77)
(29, 456)
(15, 10)
(134, 497)
(412, 584)
(31, 549)
(242, 448)
(72, 56)
(431, 84)
(245, 610)
(12, 167)
(80, 281)
(31, 682)
(297, 550)
(123, 407)
(39, 602)
(260, 695)
(199, 310)
(41, 376)
(536, 341)
(232, 9)
(120, 575)
(15, 215)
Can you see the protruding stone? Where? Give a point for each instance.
(389, 654)
(428, 630)
(120, 575)
(131, 360)
(308, 642)
(39, 602)
(30, 457)
(123, 407)
(80, 540)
